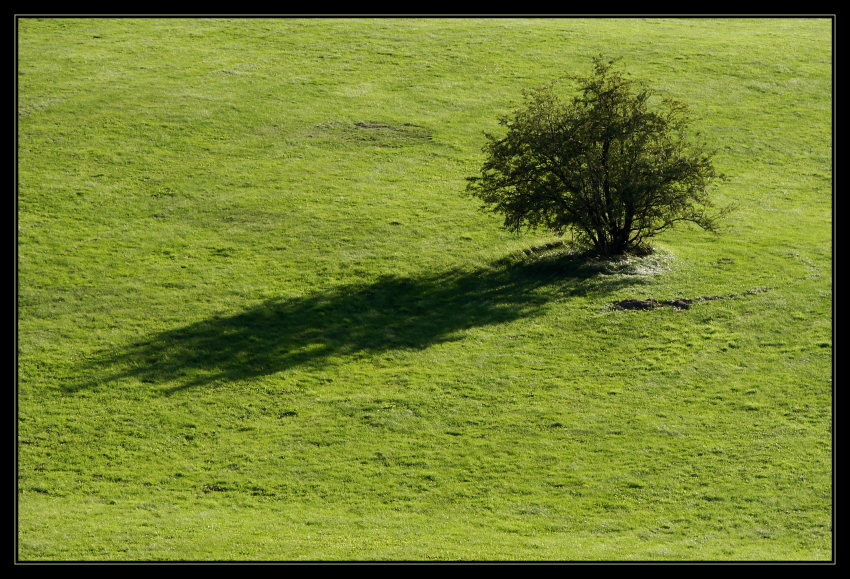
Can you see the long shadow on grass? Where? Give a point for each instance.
(390, 313)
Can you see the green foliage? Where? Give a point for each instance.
(604, 165)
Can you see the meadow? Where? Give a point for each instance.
(258, 318)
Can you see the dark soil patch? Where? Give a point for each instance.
(678, 303)
(650, 304)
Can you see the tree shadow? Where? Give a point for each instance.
(389, 313)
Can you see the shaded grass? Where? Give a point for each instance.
(355, 320)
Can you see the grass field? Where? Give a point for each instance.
(258, 318)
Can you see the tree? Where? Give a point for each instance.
(604, 165)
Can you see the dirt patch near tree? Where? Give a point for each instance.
(678, 303)
(650, 304)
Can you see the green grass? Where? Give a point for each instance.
(259, 319)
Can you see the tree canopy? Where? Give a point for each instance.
(604, 164)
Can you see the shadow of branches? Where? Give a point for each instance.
(389, 313)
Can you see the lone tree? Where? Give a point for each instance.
(604, 165)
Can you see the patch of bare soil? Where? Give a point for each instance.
(678, 303)
(650, 304)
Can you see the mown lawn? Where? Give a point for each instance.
(259, 319)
